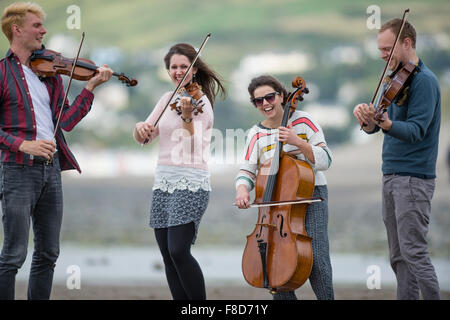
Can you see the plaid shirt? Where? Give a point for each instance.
(17, 118)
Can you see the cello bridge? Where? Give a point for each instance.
(266, 225)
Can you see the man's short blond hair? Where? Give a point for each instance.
(15, 14)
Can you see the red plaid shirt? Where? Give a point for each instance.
(17, 119)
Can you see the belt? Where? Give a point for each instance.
(44, 161)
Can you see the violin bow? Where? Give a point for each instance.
(68, 86)
(389, 60)
(182, 80)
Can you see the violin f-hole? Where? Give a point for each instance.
(61, 66)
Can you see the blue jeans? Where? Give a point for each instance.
(30, 194)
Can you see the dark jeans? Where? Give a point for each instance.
(30, 193)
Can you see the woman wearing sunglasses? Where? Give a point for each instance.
(304, 138)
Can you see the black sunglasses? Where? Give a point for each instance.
(270, 98)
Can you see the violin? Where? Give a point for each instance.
(395, 85)
(48, 63)
(278, 254)
(195, 93)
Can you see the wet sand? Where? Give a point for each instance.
(222, 292)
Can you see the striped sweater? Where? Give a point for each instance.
(17, 115)
(261, 143)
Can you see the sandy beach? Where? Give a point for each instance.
(222, 292)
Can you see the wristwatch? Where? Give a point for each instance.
(187, 120)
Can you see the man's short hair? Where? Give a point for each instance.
(15, 14)
(407, 32)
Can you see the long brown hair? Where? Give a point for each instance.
(205, 76)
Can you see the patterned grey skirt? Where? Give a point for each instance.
(177, 208)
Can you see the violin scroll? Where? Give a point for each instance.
(124, 79)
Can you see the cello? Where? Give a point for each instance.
(278, 254)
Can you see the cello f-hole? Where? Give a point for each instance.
(260, 227)
(282, 234)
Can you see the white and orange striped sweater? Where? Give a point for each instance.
(261, 143)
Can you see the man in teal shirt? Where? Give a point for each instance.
(411, 136)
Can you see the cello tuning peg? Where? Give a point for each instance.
(306, 90)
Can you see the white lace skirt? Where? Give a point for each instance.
(171, 178)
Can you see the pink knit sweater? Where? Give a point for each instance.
(176, 148)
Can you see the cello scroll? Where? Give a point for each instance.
(293, 98)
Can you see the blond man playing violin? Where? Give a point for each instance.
(33, 151)
(411, 131)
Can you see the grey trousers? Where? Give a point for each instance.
(406, 209)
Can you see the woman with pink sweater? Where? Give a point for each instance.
(182, 179)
